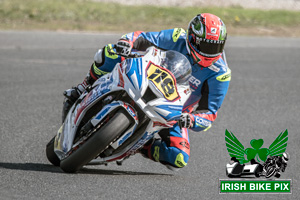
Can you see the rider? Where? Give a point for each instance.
(280, 162)
(203, 45)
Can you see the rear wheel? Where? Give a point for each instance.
(51, 155)
(97, 142)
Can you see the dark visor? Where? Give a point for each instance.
(208, 48)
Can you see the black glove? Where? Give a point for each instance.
(185, 120)
(123, 47)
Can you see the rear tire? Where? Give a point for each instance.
(96, 143)
(51, 155)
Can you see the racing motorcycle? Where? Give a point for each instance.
(275, 165)
(122, 111)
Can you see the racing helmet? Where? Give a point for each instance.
(206, 38)
(179, 65)
(285, 157)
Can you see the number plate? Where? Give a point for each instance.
(163, 80)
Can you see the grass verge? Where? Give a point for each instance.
(86, 15)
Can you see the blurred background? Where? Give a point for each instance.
(259, 4)
(256, 17)
(48, 46)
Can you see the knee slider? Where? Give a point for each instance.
(168, 155)
(180, 160)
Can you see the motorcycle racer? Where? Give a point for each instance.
(279, 162)
(203, 45)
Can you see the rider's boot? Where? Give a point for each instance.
(146, 150)
(73, 94)
(95, 72)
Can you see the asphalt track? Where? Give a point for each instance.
(36, 67)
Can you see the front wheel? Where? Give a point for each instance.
(270, 171)
(51, 155)
(97, 142)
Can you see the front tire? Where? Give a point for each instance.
(270, 171)
(51, 155)
(96, 143)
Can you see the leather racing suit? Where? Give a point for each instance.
(209, 86)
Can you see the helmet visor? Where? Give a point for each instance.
(205, 47)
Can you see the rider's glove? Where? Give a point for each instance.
(123, 47)
(186, 120)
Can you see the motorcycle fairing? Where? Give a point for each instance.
(114, 106)
(163, 81)
(101, 87)
(66, 134)
(133, 146)
(133, 73)
(164, 111)
(130, 75)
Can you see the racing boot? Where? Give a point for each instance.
(73, 94)
(146, 150)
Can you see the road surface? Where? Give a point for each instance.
(36, 67)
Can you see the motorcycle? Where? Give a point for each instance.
(122, 111)
(273, 166)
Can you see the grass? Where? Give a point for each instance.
(86, 15)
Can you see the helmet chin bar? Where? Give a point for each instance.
(202, 60)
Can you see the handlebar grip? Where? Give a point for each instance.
(114, 51)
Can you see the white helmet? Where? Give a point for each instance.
(285, 157)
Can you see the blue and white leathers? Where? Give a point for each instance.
(209, 84)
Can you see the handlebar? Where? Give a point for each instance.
(114, 51)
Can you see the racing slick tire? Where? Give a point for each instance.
(270, 171)
(51, 155)
(97, 142)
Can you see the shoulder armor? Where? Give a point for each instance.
(225, 77)
(177, 32)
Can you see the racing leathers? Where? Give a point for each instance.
(208, 85)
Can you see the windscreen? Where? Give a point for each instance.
(178, 65)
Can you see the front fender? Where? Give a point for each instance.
(111, 108)
(64, 141)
